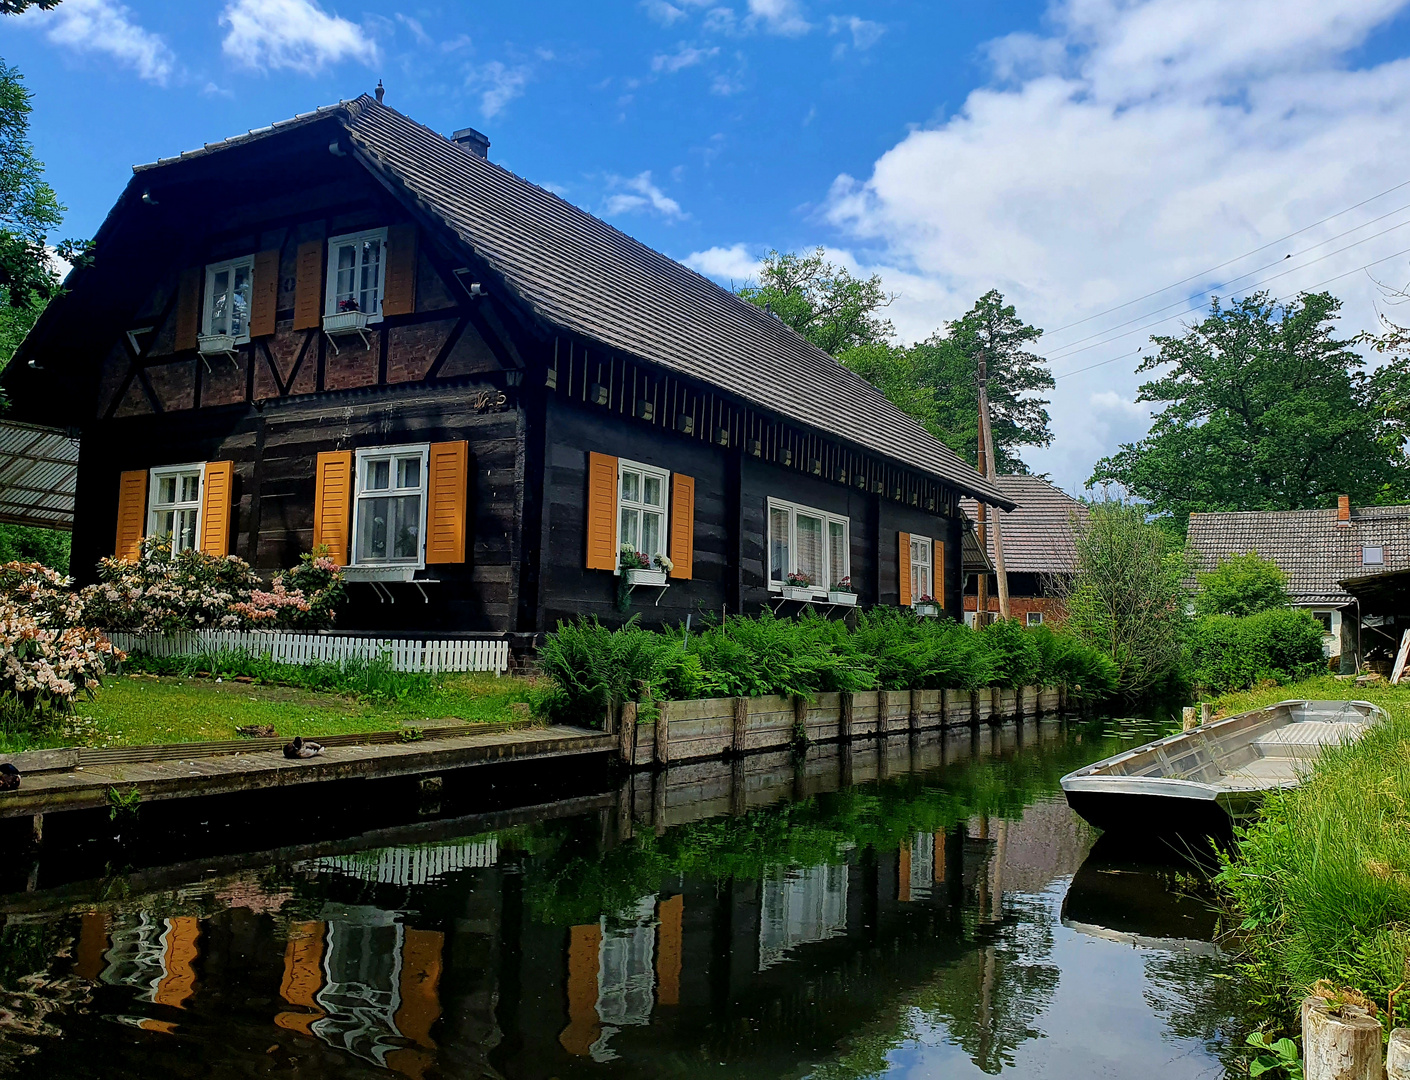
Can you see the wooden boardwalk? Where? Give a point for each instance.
(88, 786)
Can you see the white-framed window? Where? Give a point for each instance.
(922, 580)
(227, 299)
(970, 618)
(641, 508)
(807, 541)
(1035, 618)
(389, 514)
(174, 505)
(1373, 556)
(357, 269)
(1330, 620)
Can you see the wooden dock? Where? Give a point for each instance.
(166, 772)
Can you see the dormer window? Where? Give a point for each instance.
(356, 272)
(1373, 556)
(226, 316)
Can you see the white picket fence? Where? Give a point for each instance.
(286, 648)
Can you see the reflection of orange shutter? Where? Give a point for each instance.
(308, 286)
(399, 289)
(903, 872)
(602, 512)
(682, 526)
(216, 507)
(447, 482)
(332, 504)
(188, 308)
(903, 568)
(303, 976)
(670, 914)
(264, 294)
(178, 961)
(131, 514)
(88, 958)
(584, 1026)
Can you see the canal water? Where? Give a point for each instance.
(928, 907)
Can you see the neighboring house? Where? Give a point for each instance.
(345, 330)
(1040, 550)
(1317, 550)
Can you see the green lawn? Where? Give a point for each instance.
(1323, 687)
(134, 710)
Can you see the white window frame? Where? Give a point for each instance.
(664, 475)
(1033, 618)
(929, 564)
(970, 618)
(208, 298)
(422, 450)
(794, 509)
(330, 304)
(154, 478)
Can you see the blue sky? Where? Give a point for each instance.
(1076, 154)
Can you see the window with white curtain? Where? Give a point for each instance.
(641, 508)
(174, 505)
(922, 583)
(356, 271)
(390, 505)
(803, 540)
(227, 307)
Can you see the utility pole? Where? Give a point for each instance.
(981, 607)
(986, 437)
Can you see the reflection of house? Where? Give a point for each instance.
(920, 866)
(154, 956)
(1039, 549)
(801, 906)
(410, 865)
(1318, 549)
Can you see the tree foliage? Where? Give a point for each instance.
(19, 7)
(1264, 408)
(1127, 598)
(822, 301)
(1241, 585)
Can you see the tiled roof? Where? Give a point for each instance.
(1038, 535)
(1307, 545)
(580, 273)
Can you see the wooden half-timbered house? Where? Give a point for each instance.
(347, 330)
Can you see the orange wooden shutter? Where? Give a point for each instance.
(216, 506)
(682, 526)
(332, 504)
(602, 512)
(399, 289)
(903, 568)
(188, 308)
(448, 480)
(131, 514)
(937, 571)
(308, 286)
(264, 294)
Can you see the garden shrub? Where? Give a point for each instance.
(1016, 656)
(1241, 585)
(1228, 652)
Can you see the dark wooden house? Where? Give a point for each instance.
(347, 330)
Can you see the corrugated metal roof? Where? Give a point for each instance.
(38, 471)
(1038, 532)
(580, 273)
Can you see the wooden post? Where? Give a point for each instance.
(1206, 712)
(741, 725)
(1018, 702)
(624, 809)
(944, 709)
(1038, 702)
(883, 711)
(1340, 1047)
(974, 708)
(658, 802)
(844, 721)
(612, 719)
(1062, 701)
(915, 709)
(37, 828)
(626, 735)
(996, 705)
(663, 735)
(1398, 1055)
(1188, 718)
(738, 792)
(800, 717)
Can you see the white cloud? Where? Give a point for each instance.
(636, 193)
(662, 12)
(294, 34)
(417, 30)
(1136, 143)
(864, 32)
(778, 17)
(731, 266)
(685, 56)
(499, 84)
(720, 20)
(104, 26)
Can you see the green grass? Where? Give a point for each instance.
(135, 710)
(1321, 881)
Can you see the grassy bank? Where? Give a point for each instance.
(135, 710)
(1322, 881)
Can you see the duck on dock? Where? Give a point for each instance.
(9, 777)
(298, 749)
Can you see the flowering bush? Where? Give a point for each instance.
(47, 657)
(663, 562)
(162, 592)
(799, 580)
(845, 585)
(632, 559)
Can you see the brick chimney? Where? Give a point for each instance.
(1343, 511)
(477, 142)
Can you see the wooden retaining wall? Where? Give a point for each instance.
(716, 727)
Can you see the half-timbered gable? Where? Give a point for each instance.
(346, 331)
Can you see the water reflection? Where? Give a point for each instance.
(863, 911)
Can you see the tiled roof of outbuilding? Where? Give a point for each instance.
(580, 273)
(1308, 545)
(1038, 534)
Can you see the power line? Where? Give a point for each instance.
(1228, 262)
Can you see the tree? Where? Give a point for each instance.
(822, 301)
(28, 206)
(1265, 409)
(1127, 597)
(19, 7)
(1241, 585)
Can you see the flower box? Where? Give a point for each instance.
(927, 609)
(847, 599)
(216, 344)
(345, 322)
(646, 577)
(799, 592)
